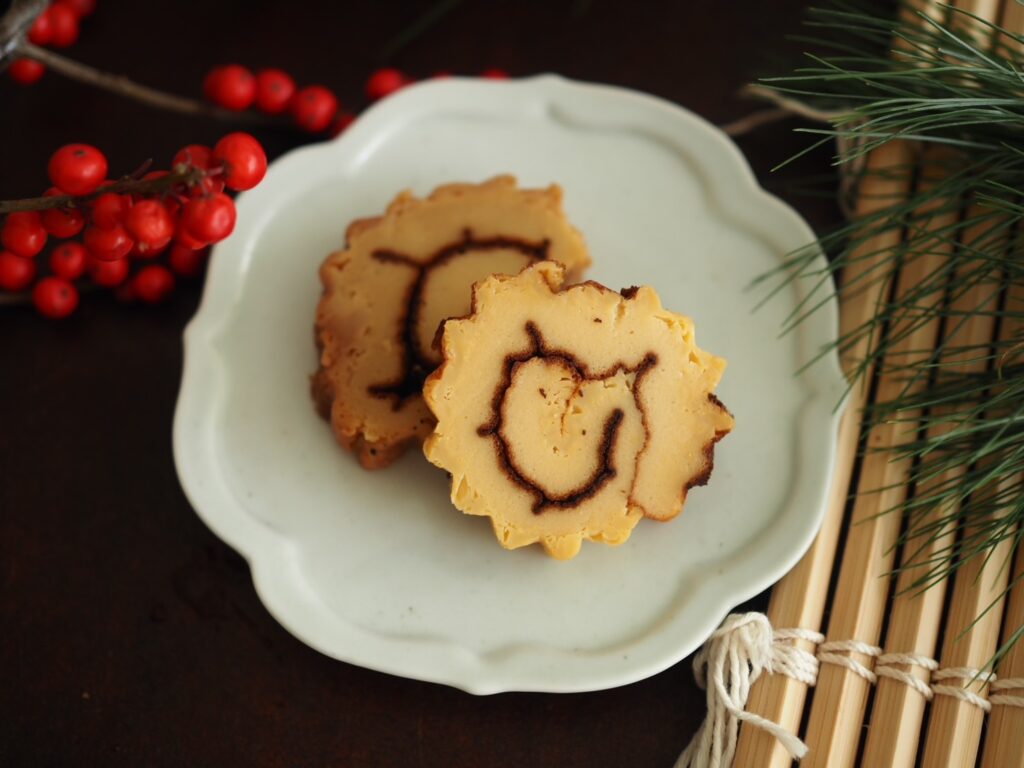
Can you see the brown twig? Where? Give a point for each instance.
(124, 86)
(793, 106)
(784, 107)
(181, 175)
(744, 125)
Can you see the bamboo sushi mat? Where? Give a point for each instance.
(897, 680)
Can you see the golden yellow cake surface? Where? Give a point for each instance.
(399, 276)
(566, 414)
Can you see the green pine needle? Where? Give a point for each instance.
(955, 84)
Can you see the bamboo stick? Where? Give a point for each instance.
(954, 731)
(915, 618)
(1004, 742)
(859, 603)
(1013, 17)
(799, 599)
(985, 9)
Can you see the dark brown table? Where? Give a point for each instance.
(129, 634)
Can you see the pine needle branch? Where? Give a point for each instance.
(954, 85)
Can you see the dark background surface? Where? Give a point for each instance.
(129, 634)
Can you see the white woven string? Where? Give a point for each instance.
(831, 653)
(960, 691)
(884, 668)
(1005, 700)
(731, 660)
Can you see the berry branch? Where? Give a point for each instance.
(182, 175)
(124, 86)
(29, 24)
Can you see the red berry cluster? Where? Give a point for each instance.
(313, 108)
(181, 211)
(56, 27)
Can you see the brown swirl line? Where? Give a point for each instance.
(605, 470)
(415, 368)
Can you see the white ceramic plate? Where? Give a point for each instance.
(377, 568)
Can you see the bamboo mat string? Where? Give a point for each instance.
(827, 654)
(1001, 699)
(961, 692)
(884, 667)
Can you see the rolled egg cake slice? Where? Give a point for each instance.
(399, 276)
(566, 414)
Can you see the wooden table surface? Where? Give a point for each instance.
(129, 634)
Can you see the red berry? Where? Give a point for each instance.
(41, 31)
(343, 121)
(243, 158)
(26, 71)
(232, 87)
(149, 224)
(209, 219)
(108, 272)
(109, 208)
(68, 260)
(55, 297)
(153, 284)
(61, 222)
(495, 74)
(16, 272)
(274, 91)
(384, 82)
(173, 205)
(78, 169)
(23, 234)
(185, 261)
(107, 244)
(146, 251)
(81, 8)
(194, 156)
(313, 108)
(185, 240)
(63, 25)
